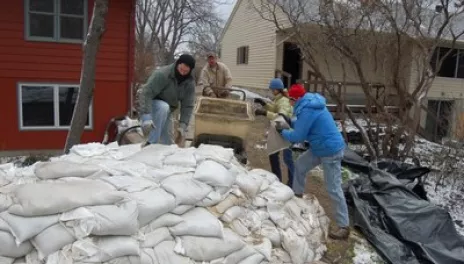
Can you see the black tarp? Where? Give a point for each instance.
(391, 210)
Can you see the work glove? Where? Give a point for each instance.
(260, 111)
(212, 95)
(180, 135)
(147, 125)
(259, 101)
(287, 119)
(279, 127)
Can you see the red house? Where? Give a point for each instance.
(40, 65)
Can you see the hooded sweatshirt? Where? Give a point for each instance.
(315, 124)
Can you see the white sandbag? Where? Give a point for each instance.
(249, 184)
(259, 202)
(9, 248)
(228, 202)
(278, 215)
(198, 222)
(253, 259)
(115, 220)
(102, 249)
(153, 155)
(148, 256)
(164, 253)
(252, 220)
(239, 255)
(182, 158)
(240, 228)
(296, 246)
(213, 198)
(5, 202)
(201, 249)
(52, 239)
(4, 225)
(122, 168)
(214, 174)
(125, 260)
(159, 175)
(60, 169)
(130, 184)
(47, 198)
(269, 176)
(264, 248)
(155, 237)
(280, 256)
(24, 228)
(277, 192)
(187, 190)
(270, 231)
(5, 260)
(182, 209)
(152, 203)
(214, 152)
(61, 257)
(232, 213)
(166, 220)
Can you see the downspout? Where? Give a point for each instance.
(130, 57)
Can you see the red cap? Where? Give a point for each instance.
(296, 91)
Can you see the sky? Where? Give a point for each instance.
(226, 9)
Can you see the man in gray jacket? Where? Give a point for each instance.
(161, 95)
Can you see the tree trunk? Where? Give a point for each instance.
(87, 81)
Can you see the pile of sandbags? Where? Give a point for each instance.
(156, 205)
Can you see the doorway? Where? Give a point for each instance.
(292, 62)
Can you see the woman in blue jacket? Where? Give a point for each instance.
(314, 123)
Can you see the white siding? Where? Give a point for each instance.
(247, 28)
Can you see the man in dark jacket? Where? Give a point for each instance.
(161, 95)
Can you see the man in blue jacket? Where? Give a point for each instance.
(314, 123)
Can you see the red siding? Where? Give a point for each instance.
(32, 61)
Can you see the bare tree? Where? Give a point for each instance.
(87, 81)
(377, 42)
(170, 23)
(205, 39)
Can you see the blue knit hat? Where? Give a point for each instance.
(276, 84)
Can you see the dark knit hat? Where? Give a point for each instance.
(186, 59)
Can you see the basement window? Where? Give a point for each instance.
(48, 106)
(242, 55)
(56, 20)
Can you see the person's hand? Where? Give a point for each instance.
(147, 127)
(260, 111)
(287, 119)
(260, 101)
(279, 127)
(180, 138)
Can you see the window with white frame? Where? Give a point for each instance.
(55, 20)
(48, 106)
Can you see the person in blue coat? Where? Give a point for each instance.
(313, 122)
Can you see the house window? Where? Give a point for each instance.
(242, 55)
(48, 106)
(453, 62)
(56, 20)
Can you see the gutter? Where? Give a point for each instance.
(130, 58)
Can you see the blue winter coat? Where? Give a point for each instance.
(315, 124)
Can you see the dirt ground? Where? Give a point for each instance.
(338, 251)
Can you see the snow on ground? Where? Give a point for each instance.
(365, 254)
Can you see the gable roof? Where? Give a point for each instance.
(229, 20)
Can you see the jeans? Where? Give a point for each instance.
(332, 168)
(288, 160)
(161, 114)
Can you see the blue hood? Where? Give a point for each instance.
(310, 100)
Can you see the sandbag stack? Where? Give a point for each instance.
(156, 205)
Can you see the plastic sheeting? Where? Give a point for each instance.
(391, 210)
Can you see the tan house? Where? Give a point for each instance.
(254, 51)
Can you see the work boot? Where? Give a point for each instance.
(340, 233)
(299, 195)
